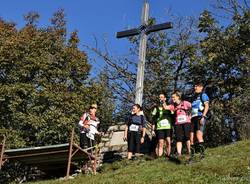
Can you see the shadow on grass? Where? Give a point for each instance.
(111, 157)
(174, 159)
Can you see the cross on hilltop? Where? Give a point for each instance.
(143, 31)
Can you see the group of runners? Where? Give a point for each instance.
(177, 119)
(180, 119)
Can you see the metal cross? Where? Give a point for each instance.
(143, 30)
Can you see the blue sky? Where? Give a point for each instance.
(100, 18)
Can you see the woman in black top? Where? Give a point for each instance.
(135, 130)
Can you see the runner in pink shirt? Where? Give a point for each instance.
(182, 110)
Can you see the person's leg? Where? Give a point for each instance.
(83, 141)
(160, 138)
(199, 135)
(179, 148)
(156, 144)
(192, 131)
(153, 147)
(200, 129)
(192, 145)
(156, 149)
(160, 147)
(201, 149)
(168, 142)
(130, 145)
(186, 128)
(137, 142)
(192, 136)
(168, 146)
(179, 138)
(188, 147)
(129, 155)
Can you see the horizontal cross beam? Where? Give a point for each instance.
(147, 29)
(159, 27)
(127, 33)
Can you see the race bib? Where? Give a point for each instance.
(134, 128)
(195, 112)
(182, 119)
(164, 123)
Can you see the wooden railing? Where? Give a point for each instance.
(2, 147)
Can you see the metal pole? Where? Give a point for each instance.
(142, 56)
(95, 160)
(70, 153)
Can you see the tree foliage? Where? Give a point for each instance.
(44, 82)
(225, 63)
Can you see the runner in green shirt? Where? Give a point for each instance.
(162, 125)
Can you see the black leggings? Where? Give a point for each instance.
(86, 142)
(134, 141)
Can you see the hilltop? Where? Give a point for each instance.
(225, 164)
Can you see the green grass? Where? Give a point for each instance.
(227, 164)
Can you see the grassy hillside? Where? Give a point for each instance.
(227, 164)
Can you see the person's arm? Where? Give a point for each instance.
(125, 136)
(143, 129)
(168, 107)
(143, 134)
(203, 119)
(82, 119)
(205, 100)
(206, 107)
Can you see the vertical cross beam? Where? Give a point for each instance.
(142, 56)
(143, 30)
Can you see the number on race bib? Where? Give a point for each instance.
(164, 123)
(134, 128)
(182, 119)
